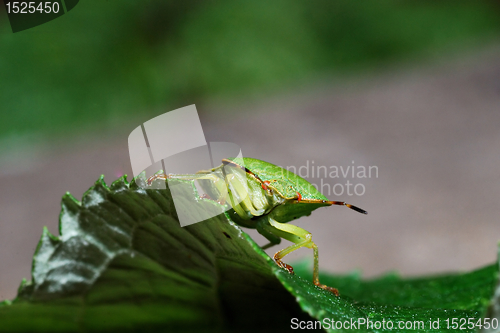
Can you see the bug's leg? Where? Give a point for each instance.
(163, 176)
(151, 179)
(301, 238)
(272, 238)
(218, 182)
(268, 245)
(316, 272)
(239, 196)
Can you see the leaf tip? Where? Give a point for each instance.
(68, 198)
(121, 184)
(101, 182)
(25, 288)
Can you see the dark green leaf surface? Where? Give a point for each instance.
(123, 263)
(415, 301)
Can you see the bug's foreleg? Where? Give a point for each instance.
(163, 176)
(216, 181)
(301, 238)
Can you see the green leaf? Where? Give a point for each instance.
(123, 263)
(422, 301)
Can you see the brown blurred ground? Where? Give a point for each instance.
(431, 130)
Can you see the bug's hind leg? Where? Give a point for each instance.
(272, 238)
(316, 272)
(301, 238)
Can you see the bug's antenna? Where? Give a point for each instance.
(342, 203)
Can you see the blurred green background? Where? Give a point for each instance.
(108, 61)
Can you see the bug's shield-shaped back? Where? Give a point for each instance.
(175, 142)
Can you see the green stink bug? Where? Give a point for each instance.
(265, 197)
